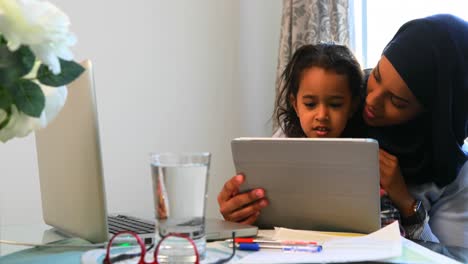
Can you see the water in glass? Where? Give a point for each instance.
(180, 187)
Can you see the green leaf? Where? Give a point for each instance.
(70, 70)
(14, 65)
(5, 98)
(27, 59)
(28, 97)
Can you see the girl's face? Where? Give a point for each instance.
(389, 101)
(323, 103)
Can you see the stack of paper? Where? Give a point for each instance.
(385, 245)
(382, 244)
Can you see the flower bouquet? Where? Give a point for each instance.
(35, 65)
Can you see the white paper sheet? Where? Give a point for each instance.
(382, 244)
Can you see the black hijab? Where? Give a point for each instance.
(431, 56)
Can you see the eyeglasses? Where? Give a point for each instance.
(128, 245)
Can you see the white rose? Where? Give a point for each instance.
(20, 124)
(39, 25)
(55, 100)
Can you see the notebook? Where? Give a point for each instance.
(71, 178)
(313, 184)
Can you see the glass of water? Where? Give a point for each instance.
(180, 182)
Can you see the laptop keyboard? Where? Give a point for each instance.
(119, 223)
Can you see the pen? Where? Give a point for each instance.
(276, 242)
(257, 247)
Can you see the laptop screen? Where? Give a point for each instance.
(70, 169)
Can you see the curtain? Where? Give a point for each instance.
(308, 22)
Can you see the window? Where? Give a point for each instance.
(377, 21)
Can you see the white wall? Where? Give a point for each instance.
(260, 23)
(170, 76)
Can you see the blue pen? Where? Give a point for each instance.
(257, 247)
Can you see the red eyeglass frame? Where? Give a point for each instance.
(107, 260)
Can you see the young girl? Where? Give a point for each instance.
(320, 91)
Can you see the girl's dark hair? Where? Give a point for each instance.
(330, 57)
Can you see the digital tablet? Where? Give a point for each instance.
(314, 184)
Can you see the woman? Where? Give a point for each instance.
(416, 107)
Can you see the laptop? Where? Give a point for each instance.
(313, 184)
(71, 178)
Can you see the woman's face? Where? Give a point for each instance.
(389, 101)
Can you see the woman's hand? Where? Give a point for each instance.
(244, 207)
(392, 181)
